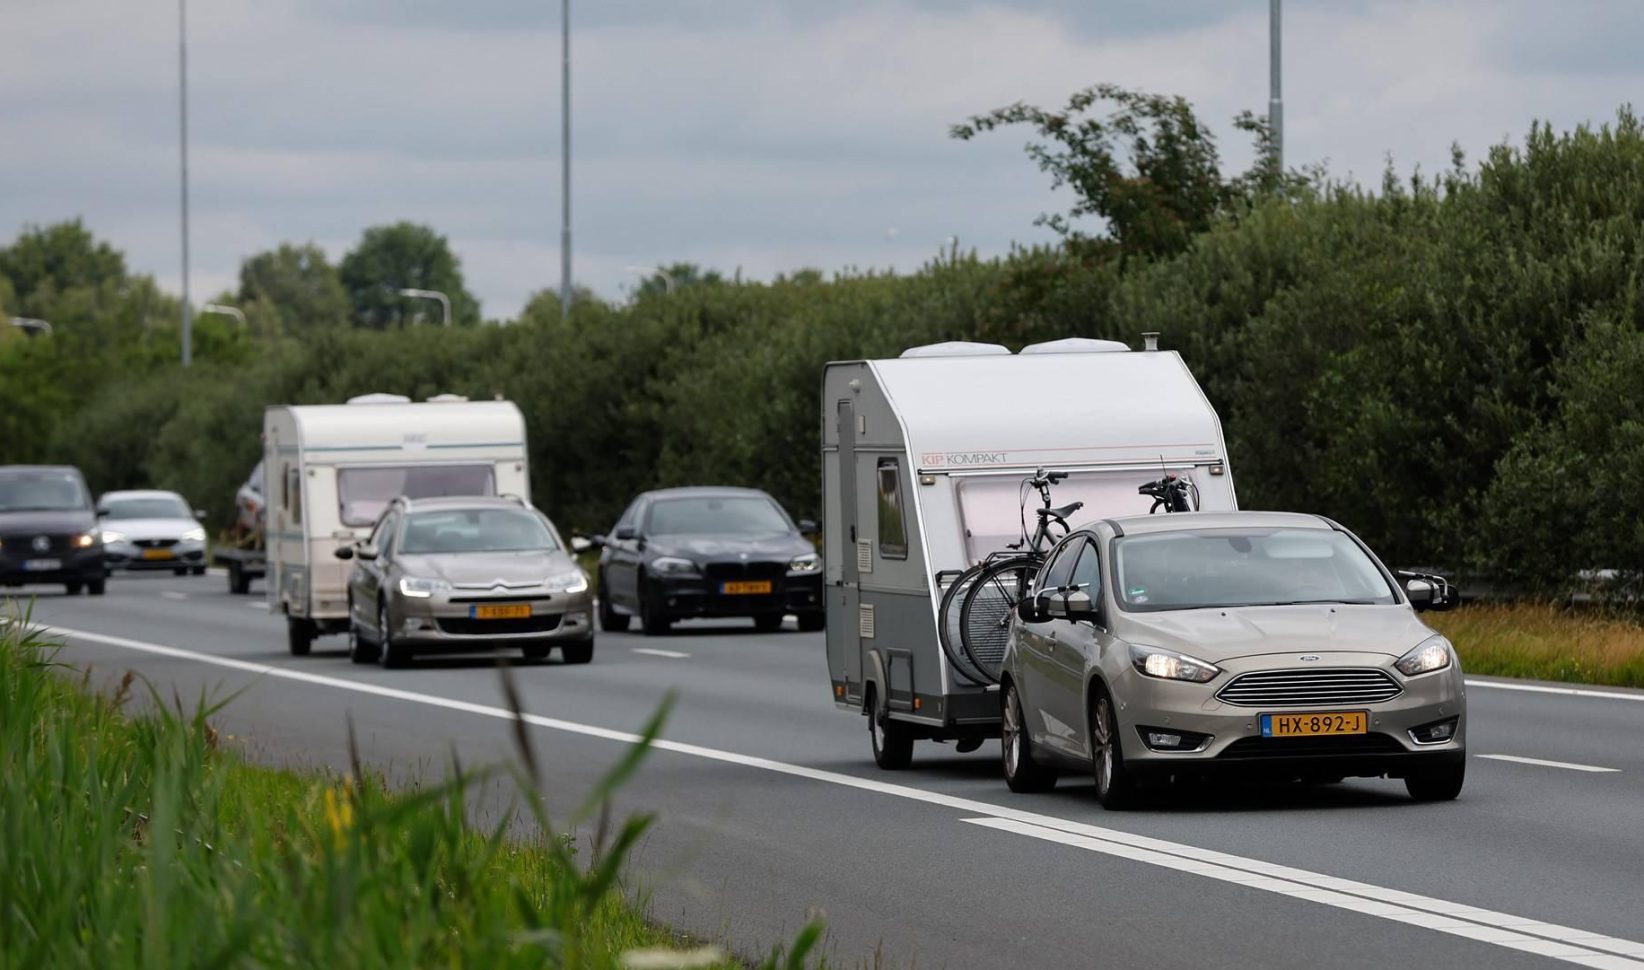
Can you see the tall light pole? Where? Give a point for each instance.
(1275, 96)
(565, 160)
(435, 295)
(182, 131)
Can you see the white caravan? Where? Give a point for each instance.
(923, 462)
(331, 469)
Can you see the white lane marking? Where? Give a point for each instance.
(1300, 884)
(216, 571)
(1562, 942)
(258, 605)
(654, 652)
(171, 594)
(1566, 691)
(1516, 759)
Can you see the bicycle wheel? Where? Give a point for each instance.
(947, 630)
(989, 604)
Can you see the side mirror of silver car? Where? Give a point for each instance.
(1077, 605)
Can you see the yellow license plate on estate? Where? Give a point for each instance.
(503, 611)
(746, 587)
(1312, 725)
(156, 553)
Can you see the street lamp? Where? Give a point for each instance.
(32, 325)
(565, 159)
(444, 301)
(667, 281)
(182, 142)
(225, 310)
(1275, 95)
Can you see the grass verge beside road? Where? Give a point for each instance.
(1546, 642)
(139, 842)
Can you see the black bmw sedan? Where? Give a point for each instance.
(708, 552)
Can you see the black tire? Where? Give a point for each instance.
(196, 570)
(389, 653)
(180, 571)
(1436, 784)
(653, 616)
(947, 632)
(299, 636)
(72, 589)
(892, 742)
(813, 620)
(577, 653)
(97, 587)
(1115, 788)
(239, 583)
(1023, 774)
(609, 619)
(535, 652)
(360, 650)
(768, 622)
(986, 611)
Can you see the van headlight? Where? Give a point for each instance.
(575, 581)
(1429, 655)
(418, 588)
(1169, 665)
(673, 566)
(808, 564)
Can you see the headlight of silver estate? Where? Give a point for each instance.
(673, 566)
(1429, 655)
(808, 564)
(420, 589)
(574, 581)
(1170, 665)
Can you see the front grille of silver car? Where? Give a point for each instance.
(1334, 686)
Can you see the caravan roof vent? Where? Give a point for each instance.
(1076, 345)
(956, 348)
(447, 399)
(379, 398)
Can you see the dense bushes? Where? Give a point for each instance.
(1451, 366)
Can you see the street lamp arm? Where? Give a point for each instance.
(435, 295)
(225, 310)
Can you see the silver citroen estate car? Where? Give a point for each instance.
(1190, 644)
(454, 574)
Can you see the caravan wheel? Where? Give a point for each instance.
(892, 741)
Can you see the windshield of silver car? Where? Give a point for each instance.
(153, 507)
(476, 530)
(1200, 569)
(716, 516)
(42, 491)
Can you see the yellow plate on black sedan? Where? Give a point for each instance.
(502, 611)
(156, 553)
(1315, 724)
(746, 587)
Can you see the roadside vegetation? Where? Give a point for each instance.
(142, 842)
(1546, 642)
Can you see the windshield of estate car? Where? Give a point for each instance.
(42, 491)
(476, 530)
(153, 507)
(1244, 567)
(716, 516)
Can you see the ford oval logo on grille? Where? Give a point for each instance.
(1310, 657)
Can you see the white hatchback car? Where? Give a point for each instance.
(1189, 644)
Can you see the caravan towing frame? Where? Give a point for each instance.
(922, 459)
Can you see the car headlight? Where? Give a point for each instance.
(673, 566)
(194, 535)
(808, 564)
(86, 540)
(1169, 665)
(110, 536)
(421, 589)
(1429, 655)
(572, 582)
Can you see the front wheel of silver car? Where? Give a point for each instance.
(1022, 773)
(389, 653)
(360, 650)
(1115, 789)
(1436, 784)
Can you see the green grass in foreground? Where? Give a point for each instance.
(1545, 642)
(137, 842)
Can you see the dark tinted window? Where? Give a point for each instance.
(475, 530)
(42, 490)
(893, 531)
(716, 515)
(362, 493)
(151, 507)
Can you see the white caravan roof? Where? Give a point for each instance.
(396, 429)
(1051, 409)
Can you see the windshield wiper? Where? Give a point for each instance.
(1360, 602)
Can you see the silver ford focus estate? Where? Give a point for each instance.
(1259, 642)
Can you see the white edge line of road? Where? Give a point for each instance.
(1502, 929)
(654, 652)
(1519, 759)
(1612, 695)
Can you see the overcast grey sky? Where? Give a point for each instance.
(768, 135)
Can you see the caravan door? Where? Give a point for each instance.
(851, 577)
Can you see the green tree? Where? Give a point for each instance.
(675, 277)
(46, 261)
(390, 258)
(293, 289)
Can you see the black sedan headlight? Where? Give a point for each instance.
(807, 564)
(674, 566)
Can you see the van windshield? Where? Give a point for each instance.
(476, 530)
(363, 493)
(1192, 570)
(716, 515)
(42, 491)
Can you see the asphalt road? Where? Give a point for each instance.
(770, 809)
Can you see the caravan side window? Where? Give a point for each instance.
(294, 494)
(893, 529)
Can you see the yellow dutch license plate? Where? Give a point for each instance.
(503, 611)
(746, 587)
(1312, 725)
(156, 553)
